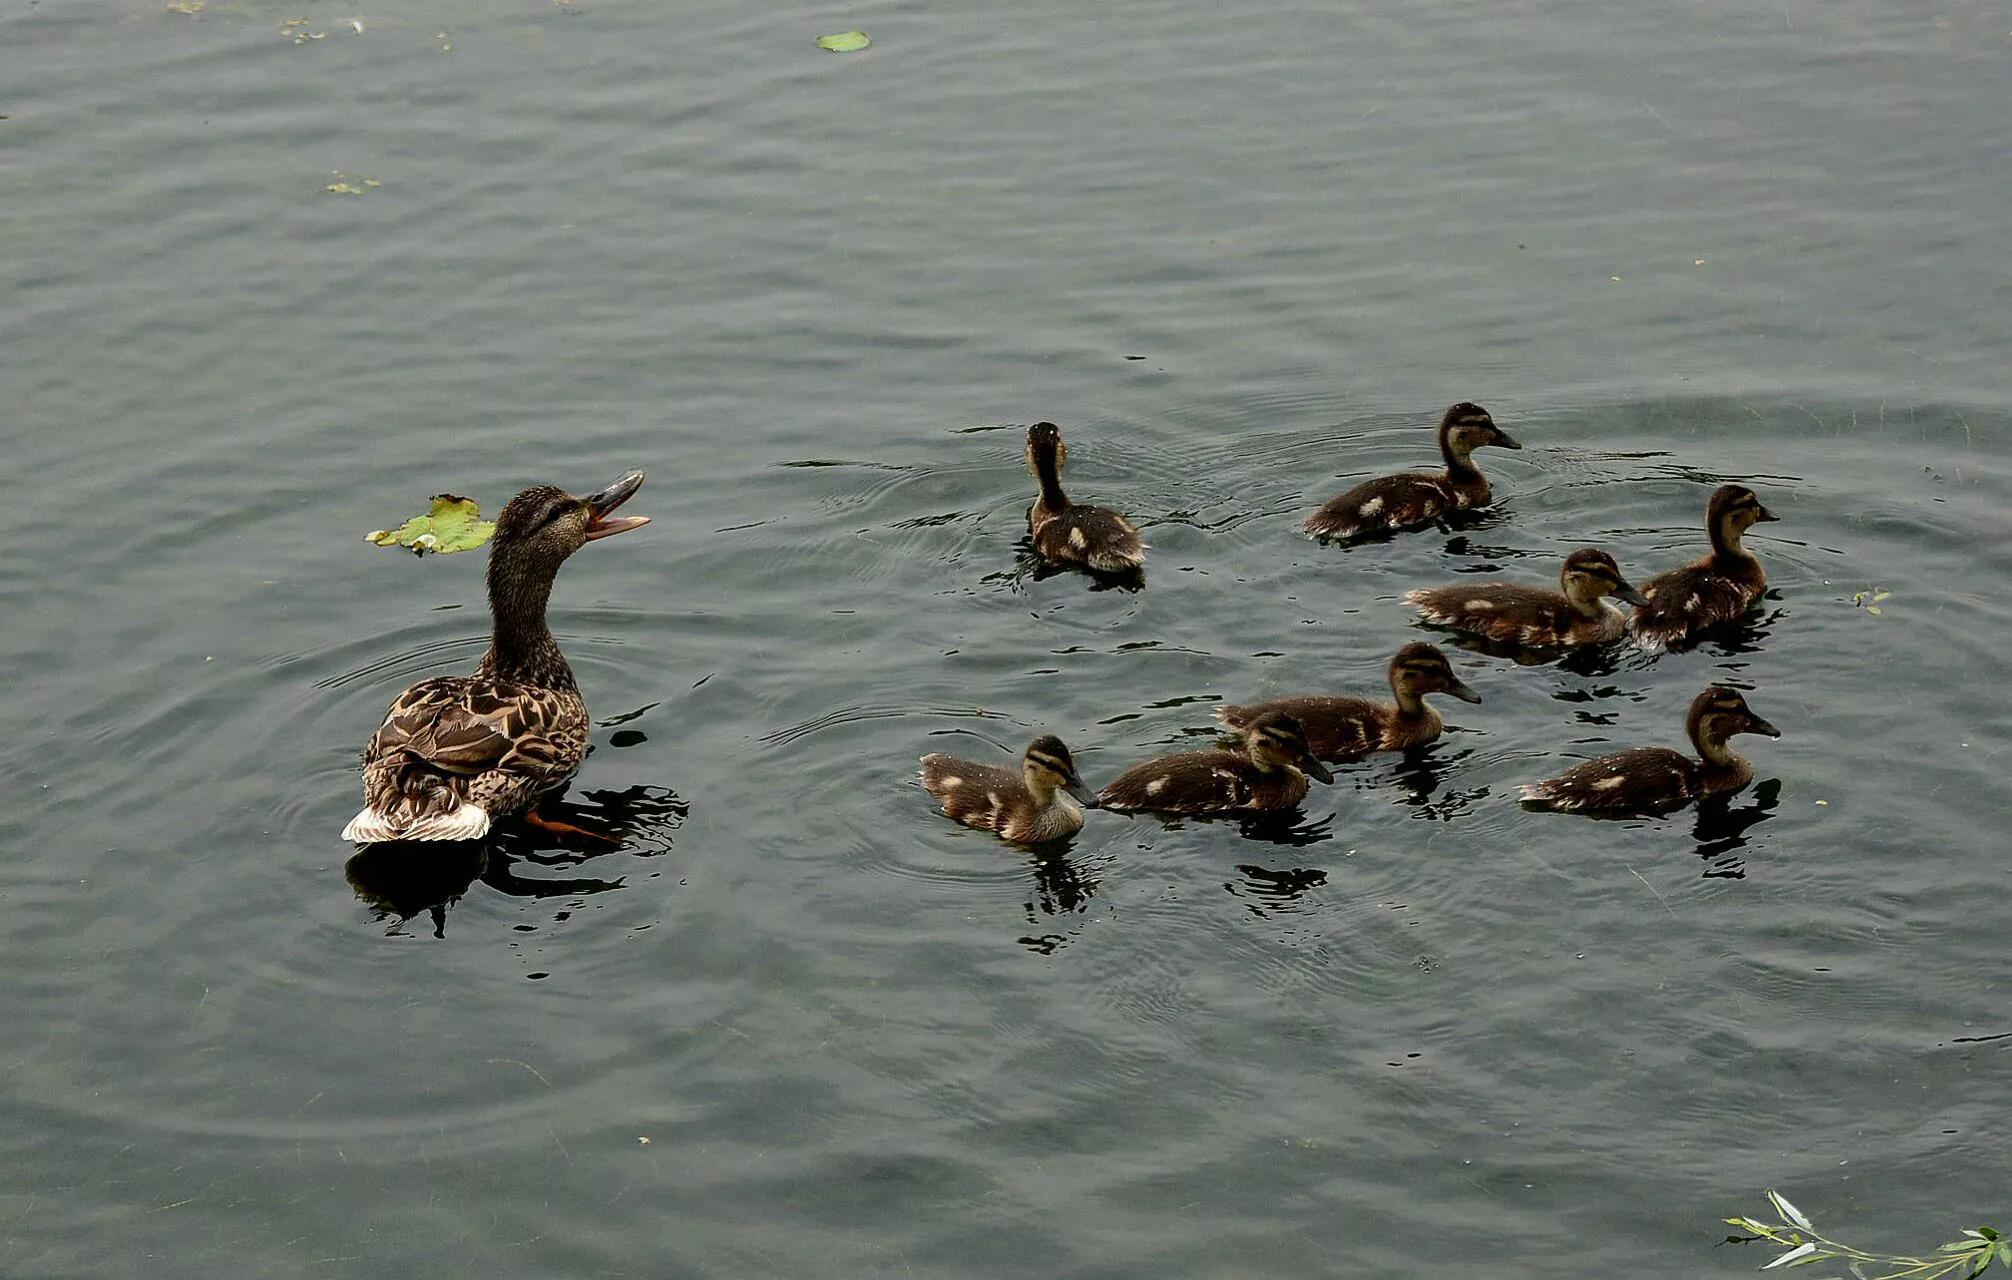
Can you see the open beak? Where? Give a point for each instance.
(1313, 768)
(1506, 440)
(1461, 691)
(1627, 594)
(1762, 515)
(1757, 725)
(601, 520)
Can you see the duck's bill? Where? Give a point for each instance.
(1315, 769)
(1462, 692)
(1757, 725)
(1763, 516)
(1082, 793)
(1628, 595)
(1507, 441)
(601, 520)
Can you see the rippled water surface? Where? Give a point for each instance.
(799, 1024)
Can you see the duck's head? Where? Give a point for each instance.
(1045, 448)
(1591, 574)
(543, 525)
(1717, 714)
(1465, 427)
(1047, 766)
(1276, 740)
(1732, 511)
(1419, 669)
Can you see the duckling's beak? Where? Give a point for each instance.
(1762, 515)
(1313, 768)
(1757, 725)
(1073, 784)
(601, 523)
(1461, 691)
(1506, 440)
(1628, 595)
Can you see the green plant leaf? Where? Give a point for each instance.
(454, 524)
(1986, 1232)
(844, 42)
(1790, 1258)
(1788, 1212)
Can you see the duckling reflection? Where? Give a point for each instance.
(1721, 828)
(403, 878)
(1420, 773)
(1276, 890)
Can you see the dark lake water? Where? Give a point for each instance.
(801, 1025)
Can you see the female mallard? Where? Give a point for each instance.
(1656, 780)
(1030, 807)
(1268, 774)
(1065, 532)
(1390, 503)
(457, 752)
(1536, 617)
(1350, 728)
(1717, 589)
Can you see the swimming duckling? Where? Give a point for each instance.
(1656, 780)
(1413, 498)
(1065, 532)
(1268, 774)
(1719, 588)
(1028, 808)
(1349, 728)
(457, 752)
(1536, 617)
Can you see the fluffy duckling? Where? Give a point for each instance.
(1536, 617)
(1412, 498)
(1030, 807)
(457, 752)
(1349, 728)
(1656, 780)
(1717, 589)
(1268, 774)
(1066, 532)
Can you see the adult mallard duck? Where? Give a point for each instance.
(1656, 780)
(1534, 617)
(1342, 728)
(1412, 498)
(1030, 807)
(1065, 532)
(1269, 774)
(1717, 589)
(457, 752)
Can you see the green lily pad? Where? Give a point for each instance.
(844, 42)
(454, 524)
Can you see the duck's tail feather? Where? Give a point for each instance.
(464, 822)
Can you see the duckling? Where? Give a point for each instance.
(1270, 773)
(1535, 617)
(1656, 780)
(1717, 589)
(1030, 808)
(1341, 728)
(1065, 532)
(1413, 498)
(457, 752)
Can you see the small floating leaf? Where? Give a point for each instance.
(1789, 1258)
(844, 42)
(1788, 1211)
(185, 6)
(454, 524)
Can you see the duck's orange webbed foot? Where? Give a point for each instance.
(556, 827)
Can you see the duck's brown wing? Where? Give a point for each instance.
(1095, 536)
(1382, 505)
(1686, 601)
(1194, 782)
(1645, 780)
(456, 740)
(1336, 728)
(972, 793)
(1503, 611)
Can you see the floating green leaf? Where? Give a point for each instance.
(454, 524)
(844, 42)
